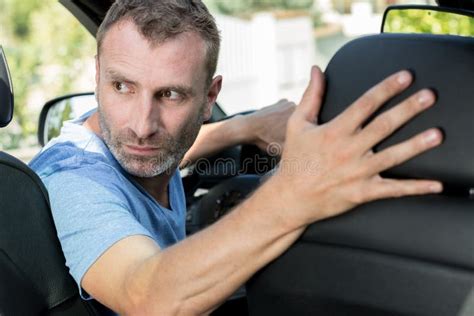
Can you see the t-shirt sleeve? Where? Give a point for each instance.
(90, 216)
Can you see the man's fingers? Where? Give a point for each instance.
(355, 115)
(386, 123)
(404, 151)
(312, 98)
(389, 188)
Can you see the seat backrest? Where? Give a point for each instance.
(407, 256)
(33, 277)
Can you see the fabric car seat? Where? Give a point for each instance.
(406, 256)
(33, 277)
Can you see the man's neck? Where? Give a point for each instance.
(157, 186)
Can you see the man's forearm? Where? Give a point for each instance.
(196, 275)
(215, 137)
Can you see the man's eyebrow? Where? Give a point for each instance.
(117, 76)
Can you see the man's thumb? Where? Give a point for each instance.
(312, 98)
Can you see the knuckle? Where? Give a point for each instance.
(420, 143)
(355, 199)
(358, 175)
(358, 197)
(393, 194)
(412, 105)
(392, 160)
(366, 170)
(368, 103)
(384, 162)
(386, 88)
(329, 134)
(397, 191)
(344, 155)
(416, 189)
(384, 125)
(391, 84)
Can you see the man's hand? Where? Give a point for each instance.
(268, 125)
(328, 169)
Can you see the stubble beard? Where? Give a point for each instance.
(171, 150)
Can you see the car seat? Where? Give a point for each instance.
(406, 256)
(33, 277)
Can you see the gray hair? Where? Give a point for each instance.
(160, 20)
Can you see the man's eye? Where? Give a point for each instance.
(171, 95)
(121, 87)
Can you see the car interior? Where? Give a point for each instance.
(404, 256)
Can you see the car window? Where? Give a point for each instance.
(268, 46)
(267, 49)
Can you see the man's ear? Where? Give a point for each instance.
(212, 94)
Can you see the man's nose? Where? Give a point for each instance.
(144, 117)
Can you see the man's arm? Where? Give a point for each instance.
(260, 128)
(194, 276)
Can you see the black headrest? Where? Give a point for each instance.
(443, 63)
(6, 92)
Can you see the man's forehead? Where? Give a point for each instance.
(127, 32)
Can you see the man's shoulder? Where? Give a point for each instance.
(73, 175)
(69, 157)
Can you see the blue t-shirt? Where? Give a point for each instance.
(95, 203)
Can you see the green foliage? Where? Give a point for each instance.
(428, 21)
(17, 21)
(316, 18)
(44, 45)
(243, 7)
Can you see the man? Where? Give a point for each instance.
(117, 198)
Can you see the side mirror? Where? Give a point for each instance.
(61, 109)
(428, 19)
(6, 92)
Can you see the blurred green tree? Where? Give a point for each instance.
(428, 21)
(45, 46)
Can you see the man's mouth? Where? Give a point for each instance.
(142, 150)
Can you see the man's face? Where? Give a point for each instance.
(152, 99)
